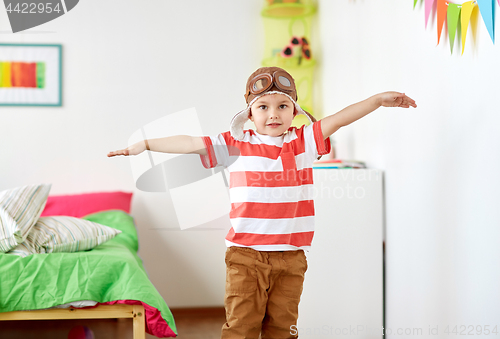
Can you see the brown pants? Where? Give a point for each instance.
(263, 291)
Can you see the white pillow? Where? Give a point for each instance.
(64, 234)
(20, 208)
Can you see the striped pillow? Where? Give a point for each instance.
(20, 208)
(23, 250)
(64, 234)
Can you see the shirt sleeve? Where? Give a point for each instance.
(217, 152)
(315, 144)
(323, 146)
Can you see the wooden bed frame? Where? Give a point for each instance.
(136, 312)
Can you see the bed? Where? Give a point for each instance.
(111, 275)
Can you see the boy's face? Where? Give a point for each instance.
(272, 114)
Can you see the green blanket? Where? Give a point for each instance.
(111, 271)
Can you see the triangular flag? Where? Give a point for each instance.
(467, 8)
(487, 12)
(415, 3)
(442, 8)
(428, 8)
(452, 18)
(474, 22)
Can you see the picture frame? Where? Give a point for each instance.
(30, 75)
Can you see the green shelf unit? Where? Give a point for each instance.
(288, 10)
(283, 20)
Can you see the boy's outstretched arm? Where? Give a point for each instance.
(181, 144)
(351, 113)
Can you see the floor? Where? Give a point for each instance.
(202, 323)
(199, 323)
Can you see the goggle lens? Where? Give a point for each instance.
(284, 81)
(260, 84)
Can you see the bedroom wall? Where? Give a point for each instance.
(440, 160)
(126, 64)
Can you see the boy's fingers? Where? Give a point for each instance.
(401, 100)
(412, 102)
(120, 152)
(409, 101)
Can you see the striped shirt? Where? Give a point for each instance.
(270, 187)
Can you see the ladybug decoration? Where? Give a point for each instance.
(296, 43)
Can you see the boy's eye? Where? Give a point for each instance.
(262, 106)
(283, 106)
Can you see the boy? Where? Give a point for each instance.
(272, 209)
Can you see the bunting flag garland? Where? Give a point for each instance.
(452, 19)
(461, 14)
(442, 8)
(487, 10)
(467, 8)
(428, 8)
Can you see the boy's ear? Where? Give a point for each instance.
(250, 115)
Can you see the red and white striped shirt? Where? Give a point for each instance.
(271, 186)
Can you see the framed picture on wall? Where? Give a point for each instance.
(30, 75)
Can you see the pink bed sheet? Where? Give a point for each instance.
(155, 324)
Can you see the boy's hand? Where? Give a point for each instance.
(396, 99)
(135, 149)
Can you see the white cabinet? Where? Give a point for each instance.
(343, 288)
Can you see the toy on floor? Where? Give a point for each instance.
(81, 332)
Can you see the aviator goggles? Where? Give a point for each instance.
(264, 81)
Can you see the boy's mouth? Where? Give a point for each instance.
(274, 125)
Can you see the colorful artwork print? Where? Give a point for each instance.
(30, 75)
(22, 74)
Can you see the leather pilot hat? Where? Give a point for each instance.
(265, 81)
